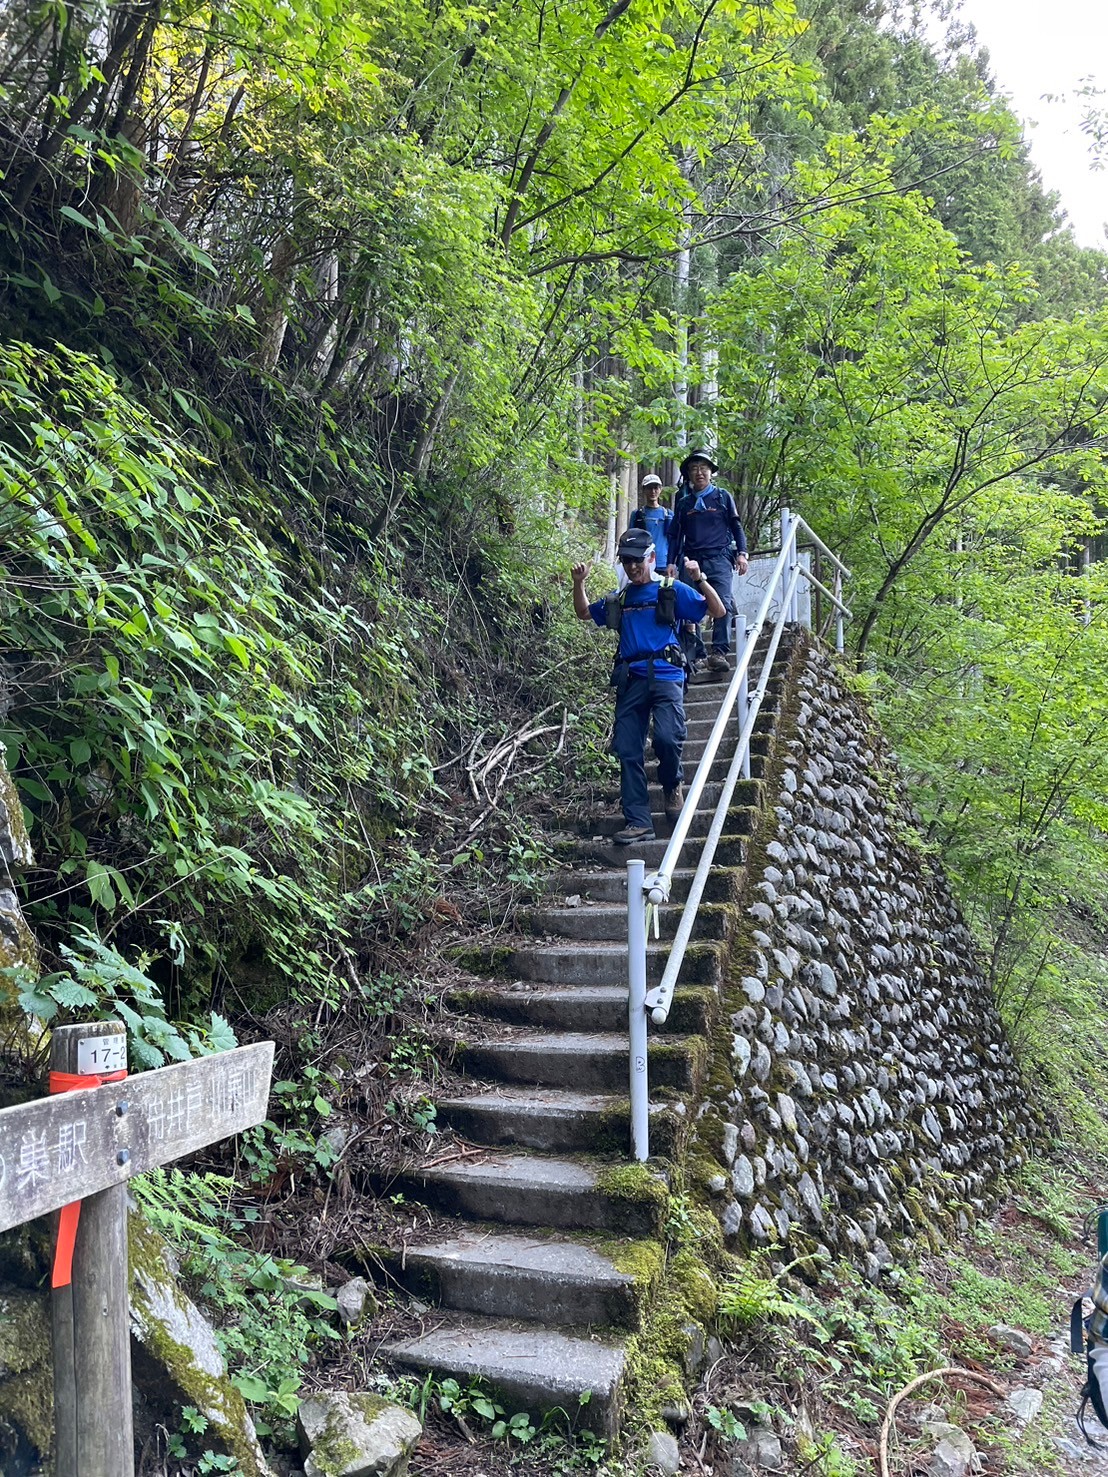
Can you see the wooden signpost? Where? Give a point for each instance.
(81, 1145)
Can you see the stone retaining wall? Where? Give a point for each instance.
(864, 1093)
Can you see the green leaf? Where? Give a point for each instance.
(251, 1388)
(42, 1006)
(70, 214)
(71, 995)
(221, 1037)
(98, 878)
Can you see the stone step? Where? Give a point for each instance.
(586, 964)
(608, 923)
(699, 826)
(527, 1368)
(589, 1061)
(695, 745)
(531, 1278)
(585, 852)
(556, 1122)
(535, 1190)
(724, 885)
(575, 1007)
(707, 699)
(700, 728)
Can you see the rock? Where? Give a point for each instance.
(938, 1428)
(303, 1290)
(26, 1378)
(694, 1349)
(676, 1414)
(345, 1435)
(663, 1452)
(1020, 1343)
(1070, 1449)
(176, 1360)
(1025, 1403)
(356, 1301)
(742, 1177)
(761, 1449)
(953, 1457)
(717, 1184)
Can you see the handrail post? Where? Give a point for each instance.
(744, 707)
(839, 611)
(636, 1010)
(786, 523)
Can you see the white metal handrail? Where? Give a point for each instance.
(784, 584)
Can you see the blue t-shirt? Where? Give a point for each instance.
(656, 521)
(639, 630)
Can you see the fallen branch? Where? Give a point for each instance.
(933, 1374)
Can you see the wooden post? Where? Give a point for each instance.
(91, 1317)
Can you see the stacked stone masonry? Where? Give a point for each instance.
(870, 1098)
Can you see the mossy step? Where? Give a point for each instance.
(576, 1377)
(700, 823)
(554, 1121)
(590, 963)
(724, 885)
(607, 923)
(588, 1061)
(535, 1190)
(731, 851)
(576, 1007)
(531, 1278)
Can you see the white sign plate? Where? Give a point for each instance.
(99, 1055)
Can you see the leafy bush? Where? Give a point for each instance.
(268, 1316)
(196, 719)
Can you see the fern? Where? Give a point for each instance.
(752, 1296)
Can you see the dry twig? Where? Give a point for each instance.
(933, 1374)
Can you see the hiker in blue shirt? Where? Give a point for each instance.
(648, 675)
(706, 528)
(654, 518)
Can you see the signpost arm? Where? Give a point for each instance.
(91, 1317)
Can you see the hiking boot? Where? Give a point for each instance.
(718, 662)
(674, 799)
(630, 834)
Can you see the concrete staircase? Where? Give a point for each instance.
(556, 1242)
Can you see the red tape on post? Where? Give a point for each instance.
(70, 1215)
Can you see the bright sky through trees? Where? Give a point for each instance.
(1042, 52)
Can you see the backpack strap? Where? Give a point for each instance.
(1091, 1394)
(1077, 1324)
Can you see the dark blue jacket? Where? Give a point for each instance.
(710, 529)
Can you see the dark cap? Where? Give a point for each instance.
(635, 543)
(699, 456)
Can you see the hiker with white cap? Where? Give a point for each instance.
(649, 673)
(655, 518)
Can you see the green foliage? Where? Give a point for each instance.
(100, 983)
(190, 763)
(725, 1422)
(268, 1316)
(753, 1297)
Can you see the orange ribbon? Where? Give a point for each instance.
(70, 1215)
